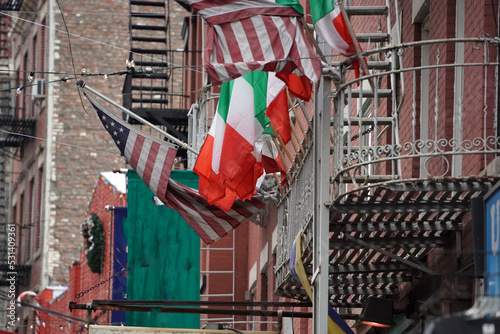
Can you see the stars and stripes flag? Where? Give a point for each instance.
(255, 35)
(150, 157)
(153, 159)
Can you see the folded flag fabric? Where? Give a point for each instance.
(209, 221)
(255, 35)
(236, 152)
(336, 325)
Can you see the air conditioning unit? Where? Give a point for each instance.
(38, 89)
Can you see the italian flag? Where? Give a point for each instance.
(331, 27)
(234, 154)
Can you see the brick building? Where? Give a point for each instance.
(405, 149)
(409, 147)
(109, 191)
(54, 174)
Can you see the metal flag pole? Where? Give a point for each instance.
(362, 60)
(81, 84)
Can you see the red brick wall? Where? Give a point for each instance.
(81, 278)
(104, 49)
(99, 42)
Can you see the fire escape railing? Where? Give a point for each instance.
(396, 193)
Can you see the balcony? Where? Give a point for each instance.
(408, 147)
(17, 130)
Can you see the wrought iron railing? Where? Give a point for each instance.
(395, 129)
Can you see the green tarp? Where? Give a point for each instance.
(163, 255)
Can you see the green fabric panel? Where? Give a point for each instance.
(163, 255)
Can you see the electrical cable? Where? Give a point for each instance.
(60, 143)
(71, 53)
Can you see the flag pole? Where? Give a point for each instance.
(290, 103)
(81, 84)
(296, 136)
(313, 40)
(355, 42)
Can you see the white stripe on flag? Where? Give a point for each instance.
(223, 47)
(132, 136)
(263, 37)
(157, 170)
(199, 211)
(234, 7)
(240, 34)
(144, 157)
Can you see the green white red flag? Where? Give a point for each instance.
(236, 153)
(331, 27)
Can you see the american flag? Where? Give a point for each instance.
(209, 221)
(221, 11)
(152, 159)
(255, 35)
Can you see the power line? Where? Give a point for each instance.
(59, 143)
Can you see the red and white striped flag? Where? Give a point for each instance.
(209, 221)
(152, 159)
(255, 35)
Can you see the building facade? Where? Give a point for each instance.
(394, 166)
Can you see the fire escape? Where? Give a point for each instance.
(395, 197)
(153, 89)
(9, 124)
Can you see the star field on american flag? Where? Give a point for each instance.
(118, 131)
(152, 158)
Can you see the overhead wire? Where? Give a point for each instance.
(57, 142)
(65, 79)
(70, 52)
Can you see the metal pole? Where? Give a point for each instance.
(80, 84)
(321, 146)
(47, 218)
(192, 310)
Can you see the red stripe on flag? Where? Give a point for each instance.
(136, 151)
(165, 172)
(274, 37)
(186, 197)
(251, 35)
(232, 10)
(249, 207)
(232, 43)
(150, 162)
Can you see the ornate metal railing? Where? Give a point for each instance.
(355, 162)
(435, 122)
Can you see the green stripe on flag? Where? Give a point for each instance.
(292, 3)
(225, 99)
(320, 8)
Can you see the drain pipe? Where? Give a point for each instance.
(44, 280)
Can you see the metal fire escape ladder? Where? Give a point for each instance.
(388, 228)
(366, 117)
(369, 117)
(153, 89)
(9, 123)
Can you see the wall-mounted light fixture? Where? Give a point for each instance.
(377, 312)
